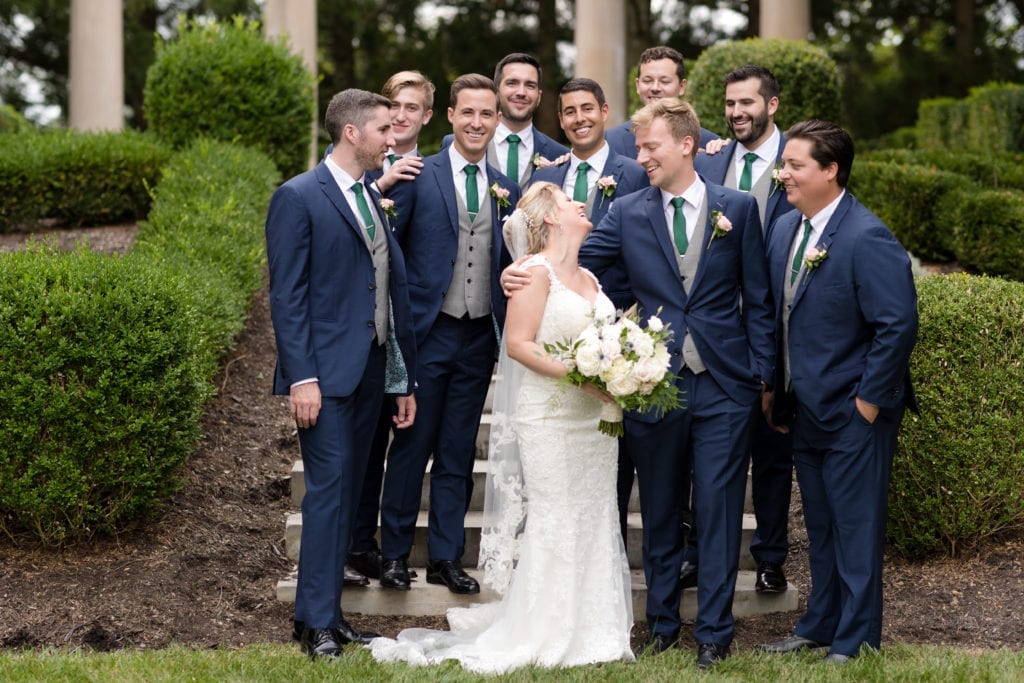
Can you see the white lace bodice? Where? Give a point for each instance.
(568, 313)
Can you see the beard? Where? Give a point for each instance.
(758, 126)
(369, 159)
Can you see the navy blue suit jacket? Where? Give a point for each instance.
(853, 320)
(737, 344)
(427, 228)
(623, 141)
(322, 287)
(714, 167)
(629, 178)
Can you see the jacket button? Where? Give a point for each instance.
(369, 323)
(373, 286)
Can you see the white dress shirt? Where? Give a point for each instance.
(693, 200)
(818, 223)
(767, 152)
(459, 175)
(597, 162)
(525, 150)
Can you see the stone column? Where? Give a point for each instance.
(296, 19)
(601, 51)
(789, 19)
(96, 66)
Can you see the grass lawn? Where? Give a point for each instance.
(286, 663)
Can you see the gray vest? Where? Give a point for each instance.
(493, 160)
(788, 294)
(687, 269)
(760, 189)
(381, 274)
(470, 288)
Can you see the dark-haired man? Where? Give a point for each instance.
(847, 323)
(660, 73)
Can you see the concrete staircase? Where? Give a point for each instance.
(426, 599)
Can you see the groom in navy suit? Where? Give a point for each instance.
(450, 231)
(342, 322)
(694, 251)
(596, 175)
(747, 163)
(847, 324)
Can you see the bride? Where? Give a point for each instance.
(551, 545)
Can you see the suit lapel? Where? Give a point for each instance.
(775, 194)
(334, 194)
(656, 217)
(715, 202)
(824, 244)
(444, 176)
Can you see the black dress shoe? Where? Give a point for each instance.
(658, 643)
(320, 643)
(770, 578)
(394, 574)
(354, 577)
(345, 634)
(710, 654)
(297, 628)
(790, 644)
(688, 574)
(366, 563)
(451, 574)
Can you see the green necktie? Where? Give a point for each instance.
(799, 255)
(679, 226)
(512, 167)
(472, 197)
(364, 209)
(392, 158)
(748, 171)
(579, 190)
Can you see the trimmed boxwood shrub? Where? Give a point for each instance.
(990, 169)
(907, 199)
(101, 390)
(957, 471)
(995, 118)
(988, 231)
(936, 119)
(224, 81)
(77, 178)
(807, 76)
(105, 362)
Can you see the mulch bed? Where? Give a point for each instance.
(203, 573)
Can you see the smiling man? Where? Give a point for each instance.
(449, 225)
(660, 73)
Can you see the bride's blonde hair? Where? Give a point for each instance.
(539, 201)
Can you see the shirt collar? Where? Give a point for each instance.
(525, 135)
(597, 160)
(340, 175)
(692, 195)
(821, 219)
(767, 150)
(459, 162)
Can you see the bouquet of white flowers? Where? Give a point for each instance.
(628, 361)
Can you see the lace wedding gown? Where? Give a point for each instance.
(568, 599)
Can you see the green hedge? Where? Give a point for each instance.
(990, 169)
(808, 77)
(105, 361)
(990, 118)
(77, 178)
(988, 231)
(908, 198)
(956, 474)
(224, 81)
(13, 122)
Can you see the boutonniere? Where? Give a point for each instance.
(388, 207)
(777, 183)
(720, 226)
(814, 257)
(501, 194)
(607, 186)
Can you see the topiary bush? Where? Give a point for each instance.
(77, 178)
(908, 199)
(936, 119)
(956, 474)
(808, 77)
(989, 169)
(995, 118)
(988, 231)
(224, 81)
(101, 393)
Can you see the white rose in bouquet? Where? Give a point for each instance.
(641, 342)
(654, 324)
(647, 371)
(619, 379)
(588, 356)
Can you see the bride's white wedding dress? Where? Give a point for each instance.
(568, 599)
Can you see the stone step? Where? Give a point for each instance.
(473, 525)
(426, 599)
(298, 488)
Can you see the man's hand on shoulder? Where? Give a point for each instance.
(715, 146)
(515, 277)
(406, 168)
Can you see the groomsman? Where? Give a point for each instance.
(450, 230)
(412, 100)
(596, 175)
(847, 324)
(661, 73)
(746, 164)
(694, 251)
(338, 296)
(517, 146)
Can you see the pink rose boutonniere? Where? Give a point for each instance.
(501, 194)
(388, 207)
(777, 183)
(720, 224)
(607, 185)
(814, 257)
